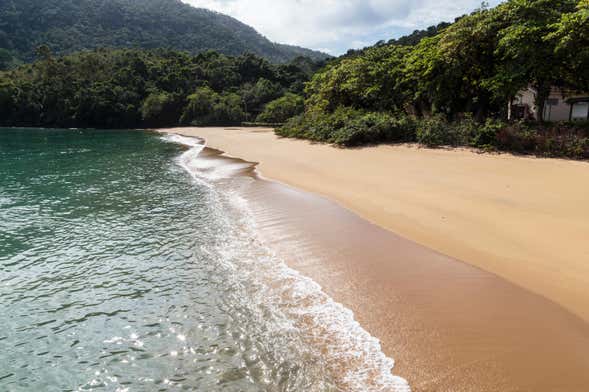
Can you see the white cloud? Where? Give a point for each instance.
(338, 24)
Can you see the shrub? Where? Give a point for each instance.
(281, 109)
(317, 125)
(372, 128)
(434, 132)
(485, 135)
(549, 140)
(350, 127)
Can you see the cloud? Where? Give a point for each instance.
(338, 25)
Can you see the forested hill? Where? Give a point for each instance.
(68, 26)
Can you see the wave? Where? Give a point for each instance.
(215, 167)
(292, 306)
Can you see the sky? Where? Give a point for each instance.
(334, 26)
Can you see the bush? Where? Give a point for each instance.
(350, 127)
(281, 109)
(485, 135)
(435, 132)
(372, 128)
(549, 140)
(317, 125)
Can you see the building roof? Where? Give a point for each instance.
(577, 100)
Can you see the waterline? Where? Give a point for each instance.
(348, 353)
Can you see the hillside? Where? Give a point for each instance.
(67, 26)
(131, 88)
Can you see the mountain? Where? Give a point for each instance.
(68, 26)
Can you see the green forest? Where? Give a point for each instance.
(447, 85)
(129, 88)
(68, 26)
(452, 86)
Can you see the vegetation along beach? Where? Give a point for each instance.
(187, 204)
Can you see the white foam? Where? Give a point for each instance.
(185, 140)
(296, 299)
(328, 321)
(200, 168)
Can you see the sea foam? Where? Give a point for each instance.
(297, 305)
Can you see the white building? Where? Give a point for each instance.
(561, 105)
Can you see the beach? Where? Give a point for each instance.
(470, 268)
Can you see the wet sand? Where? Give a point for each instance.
(525, 219)
(449, 325)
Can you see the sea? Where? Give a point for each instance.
(130, 262)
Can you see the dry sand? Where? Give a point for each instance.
(525, 219)
(450, 326)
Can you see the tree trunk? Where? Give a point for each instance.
(543, 89)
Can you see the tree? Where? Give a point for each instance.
(43, 53)
(75, 25)
(570, 37)
(137, 88)
(525, 56)
(362, 82)
(7, 93)
(199, 108)
(228, 110)
(467, 51)
(206, 107)
(5, 59)
(281, 109)
(255, 96)
(160, 109)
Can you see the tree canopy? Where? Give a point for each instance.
(451, 84)
(67, 26)
(136, 88)
(474, 65)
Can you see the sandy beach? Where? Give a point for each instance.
(470, 268)
(522, 218)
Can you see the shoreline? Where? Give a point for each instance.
(443, 200)
(449, 326)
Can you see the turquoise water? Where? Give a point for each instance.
(122, 269)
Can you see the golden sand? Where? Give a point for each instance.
(450, 326)
(525, 219)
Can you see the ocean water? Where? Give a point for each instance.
(128, 263)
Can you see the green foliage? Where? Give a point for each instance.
(455, 80)
(485, 135)
(524, 54)
(206, 107)
(474, 65)
(363, 82)
(570, 36)
(282, 109)
(68, 26)
(373, 128)
(350, 127)
(160, 109)
(6, 59)
(558, 140)
(435, 131)
(135, 88)
(256, 94)
(7, 98)
(318, 125)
